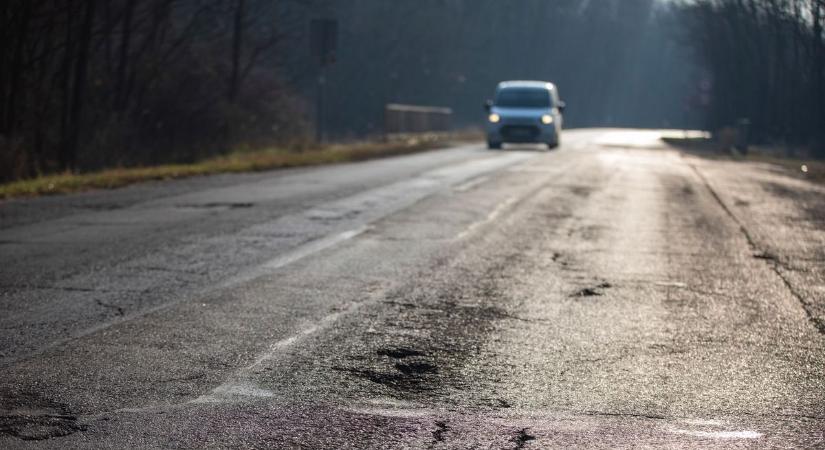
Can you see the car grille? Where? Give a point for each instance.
(520, 133)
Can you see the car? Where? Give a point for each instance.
(524, 112)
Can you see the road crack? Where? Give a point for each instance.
(592, 291)
(118, 310)
(774, 262)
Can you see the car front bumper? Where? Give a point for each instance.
(521, 133)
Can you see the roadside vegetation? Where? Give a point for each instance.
(762, 61)
(87, 85)
(801, 167)
(90, 85)
(811, 170)
(120, 86)
(241, 161)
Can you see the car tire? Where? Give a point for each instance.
(493, 145)
(553, 145)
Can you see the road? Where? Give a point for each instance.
(614, 292)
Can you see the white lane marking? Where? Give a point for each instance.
(324, 322)
(295, 255)
(747, 434)
(713, 434)
(234, 388)
(239, 386)
(675, 284)
(471, 184)
(703, 422)
(494, 214)
(402, 194)
(237, 390)
(399, 195)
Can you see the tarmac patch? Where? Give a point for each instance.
(399, 353)
(30, 417)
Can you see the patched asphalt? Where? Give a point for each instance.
(611, 293)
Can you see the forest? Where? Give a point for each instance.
(764, 61)
(89, 84)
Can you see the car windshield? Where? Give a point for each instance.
(523, 98)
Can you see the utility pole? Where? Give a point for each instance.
(324, 37)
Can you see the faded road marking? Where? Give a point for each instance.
(239, 386)
(471, 184)
(722, 434)
(494, 214)
(295, 255)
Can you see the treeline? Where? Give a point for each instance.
(765, 61)
(86, 84)
(617, 62)
(93, 83)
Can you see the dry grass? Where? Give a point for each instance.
(233, 163)
(810, 170)
(807, 169)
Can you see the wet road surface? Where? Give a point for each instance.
(612, 293)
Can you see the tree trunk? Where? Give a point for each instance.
(123, 57)
(237, 46)
(66, 83)
(69, 153)
(818, 69)
(16, 69)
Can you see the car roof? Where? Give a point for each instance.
(527, 84)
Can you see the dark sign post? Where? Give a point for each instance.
(324, 37)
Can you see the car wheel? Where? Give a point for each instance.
(554, 144)
(494, 145)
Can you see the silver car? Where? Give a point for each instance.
(524, 112)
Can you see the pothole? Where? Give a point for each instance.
(441, 429)
(592, 291)
(32, 418)
(416, 368)
(522, 438)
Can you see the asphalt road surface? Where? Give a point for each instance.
(614, 292)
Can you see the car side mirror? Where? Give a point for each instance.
(488, 105)
(562, 106)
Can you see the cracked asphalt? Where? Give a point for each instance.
(612, 293)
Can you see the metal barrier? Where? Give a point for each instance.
(410, 119)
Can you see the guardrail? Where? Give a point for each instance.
(411, 119)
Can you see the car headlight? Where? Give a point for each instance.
(547, 119)
(495, 118)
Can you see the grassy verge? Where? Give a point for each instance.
(233, 163)
(811, 170)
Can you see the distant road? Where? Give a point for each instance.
(612, 292)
